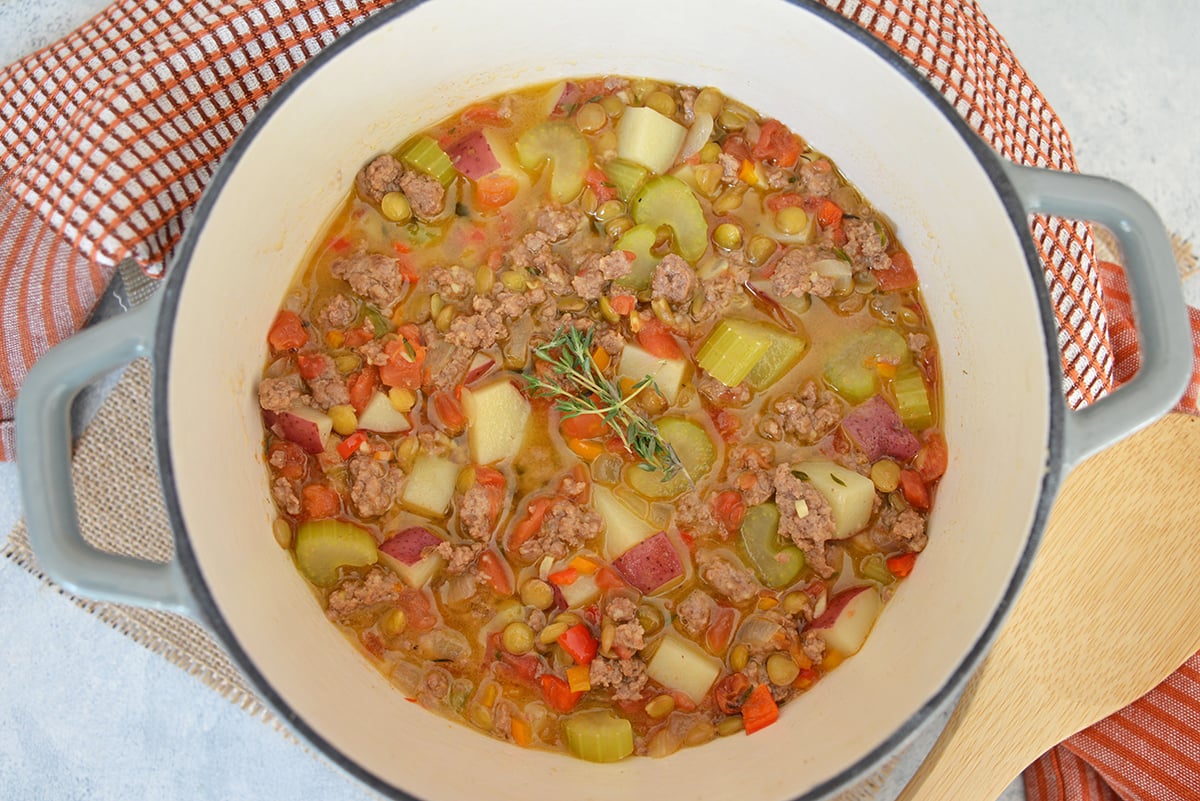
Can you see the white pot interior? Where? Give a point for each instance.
(786, 62)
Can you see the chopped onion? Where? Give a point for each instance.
(757, 631)
(697, 136)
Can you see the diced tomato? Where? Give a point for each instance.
(607, 579)
(535, 513)
(760, 709)
(623, 304)
(558, 693)
(829, 214)
(289, 459)
(357, 337)
(729, 509)
(287, 332)
(493, 570)
(417, 607)
(900, 566)
(900, 277)
(657, 339)
(735, 145)
(362, 386)
(583, 426)
(600, 185)
(406, 359)
(318, 501)
(339, 244)
(783, 200)
(311, 365)
(496, 190)
(485, 114)
(496, 485)
(731, 692)
(579, 643)
(720, 628)
(688, 540)
(450, 412)
(350, 445)
(933, 457)
(914, 489)
(777, 143)
(728, 425)
(521, 668)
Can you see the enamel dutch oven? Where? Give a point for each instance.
(960, 210)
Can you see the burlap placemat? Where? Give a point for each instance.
(121, 510)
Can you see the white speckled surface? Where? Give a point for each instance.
(86, 713)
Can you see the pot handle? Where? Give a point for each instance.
(43, 417)
(1163, 330)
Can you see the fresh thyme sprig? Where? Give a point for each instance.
(579, 387)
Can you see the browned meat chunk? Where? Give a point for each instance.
(794, 275)
(693, 613)
(426, 196)
(730, 165)
(899, 530)
(751, 471)
(278, 394)
(734, 582)
(476, 331)
(817, 177)
(559, 222)
(534, 254)
(329, 388)
(813, 646)
(285, 495)
(566, 526)
(719, 393)
(459, 557)
(453, 283)
(694, 515)
(475, 513)
(628, 634)
(355, 594)
(338, 312)
(805, 517)
(864, 246)
(625, 677)
(375, 485)
(806, 416)
(674, 279)
(380, 176)
(372, 276)
(597, 271)
(720, 290)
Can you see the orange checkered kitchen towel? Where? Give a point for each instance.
(108, 137)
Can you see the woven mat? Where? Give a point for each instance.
(121, 510)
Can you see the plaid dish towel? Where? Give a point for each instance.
(108, 137)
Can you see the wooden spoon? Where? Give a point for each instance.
(1111, 608)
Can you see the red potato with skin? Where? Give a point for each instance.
(307, 427)
(651, 564)
(875, 427)
(473, 157)
(847, 620)
(409, 554)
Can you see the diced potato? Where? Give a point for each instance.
(851, 495)
(497, 417)
(408, 554)
(580, 592)
(848, 619)
(681, 665)
(623, 527)
(668, 374)
(648, 138)
(430, 485)
(380, 415)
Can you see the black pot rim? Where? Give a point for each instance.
(172, 293)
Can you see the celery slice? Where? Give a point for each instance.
(324, 546)
(648, 138)
(626, 176)
(561, 144)
(425, 155)
(733, 349)
(853, 371)
(777, 565)
(638, 240)
(783, 354)
(598, 735)
(666, 200)
(695, 451)
(912, 398)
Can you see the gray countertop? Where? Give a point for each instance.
(87, 713)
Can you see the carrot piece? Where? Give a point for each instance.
(933, 457)
(563, 577)
(579, 642)
(914, 489)
(623, 304)
(829, 215)
(900, 566)
(579, 678)
(607, 579)
(583, 565)
(318, 500)
(350, 445)
(522, 732)
(760, 709)
(494, 191)
(491, 567)
(583, 426)
(586, 449)
(901, 276)
(657, 339)
(311, 365)
(601, 358)
(747, 174)
(287, 332)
